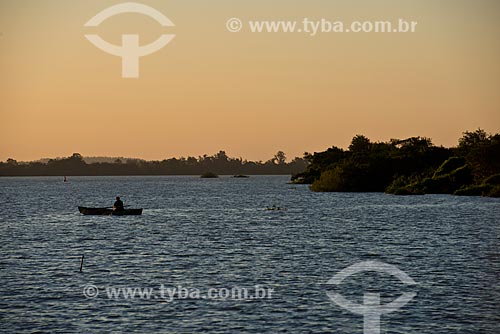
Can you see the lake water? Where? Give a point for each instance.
(217, 234)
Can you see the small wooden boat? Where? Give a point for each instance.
(108, 212)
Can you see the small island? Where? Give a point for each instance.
(412, 166)
(209, 175)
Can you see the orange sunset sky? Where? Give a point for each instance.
(247, 93)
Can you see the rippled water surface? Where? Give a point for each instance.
(216, 233)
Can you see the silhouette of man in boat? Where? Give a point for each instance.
(118, 206)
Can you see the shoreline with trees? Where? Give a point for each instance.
(412, 166)
(220, 163)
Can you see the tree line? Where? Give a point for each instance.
(408, 167)
(219, 163)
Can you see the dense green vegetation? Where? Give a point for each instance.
(219, 163)
(408, 167)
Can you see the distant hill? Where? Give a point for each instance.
(91, 160)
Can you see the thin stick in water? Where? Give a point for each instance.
(81, 263)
